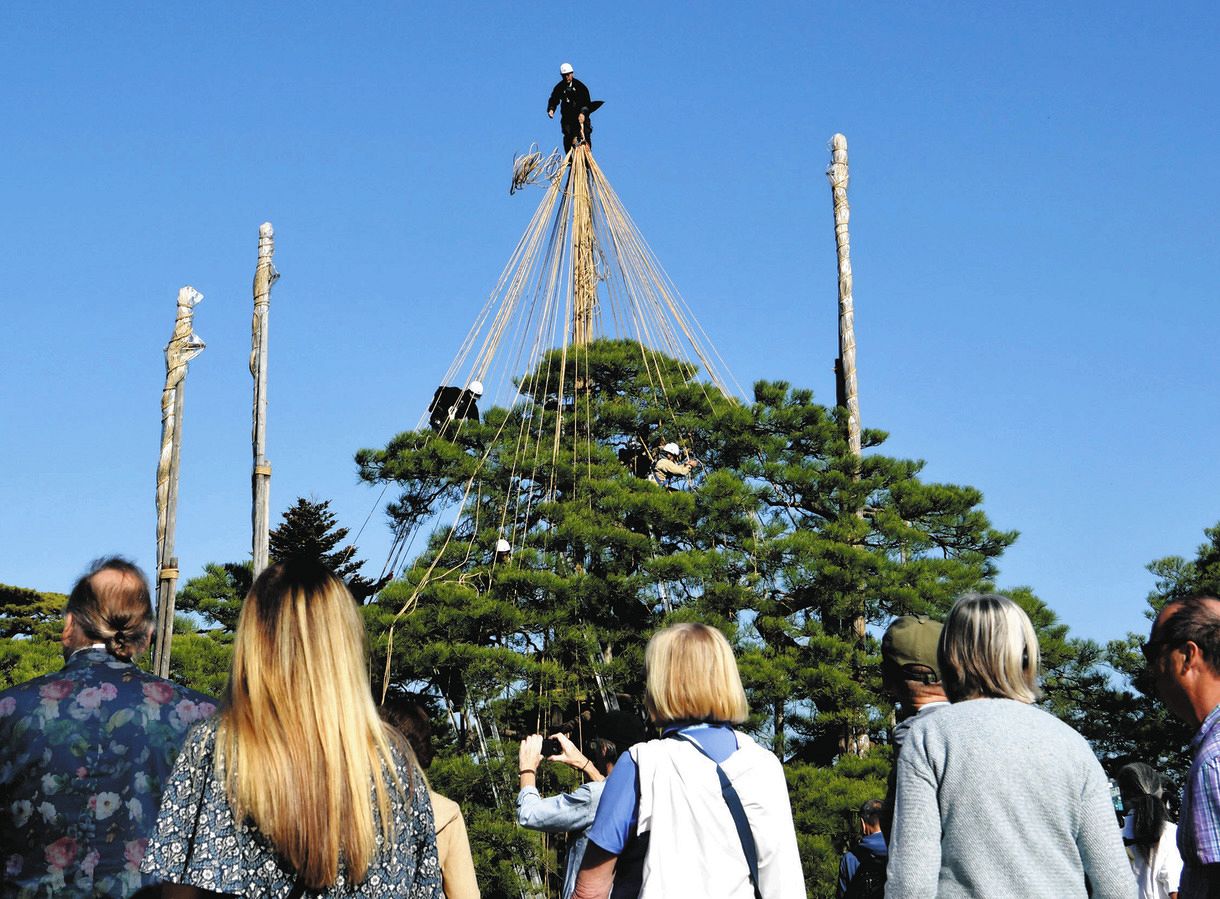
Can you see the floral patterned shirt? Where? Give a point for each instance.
(199, 843)
(84, 752)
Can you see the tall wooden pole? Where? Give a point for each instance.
(855, 739)
(264, 276)
(184, 345)
(584, 272)
(845, 365)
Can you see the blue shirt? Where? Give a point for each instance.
(874, 843)
(84, 752)
(1199, 828)
(567, 813)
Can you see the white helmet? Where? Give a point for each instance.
(671, 448)
(566, 69)
(503, 546)
(476, 387)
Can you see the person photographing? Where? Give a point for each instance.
(573, 812)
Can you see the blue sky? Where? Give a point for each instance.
(1033, 193)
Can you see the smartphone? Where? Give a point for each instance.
(551, 746)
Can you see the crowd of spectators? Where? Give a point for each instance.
(114, 782)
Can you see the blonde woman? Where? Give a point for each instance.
(995, 796)
(704, 810)
(296, 785)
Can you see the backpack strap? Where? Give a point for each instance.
(736, 809)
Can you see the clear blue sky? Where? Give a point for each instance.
(1034, 193)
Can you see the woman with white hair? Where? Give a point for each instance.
(297, 785)
(704, 810)
(996, 797)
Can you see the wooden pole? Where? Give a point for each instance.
(584, 272)
(855, 739)
(184, 345)
(264, 276)
(845, 365)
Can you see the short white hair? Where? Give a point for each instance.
(988, 648)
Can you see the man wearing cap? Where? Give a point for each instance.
(667, 466)
(910, 673)
(573, 101)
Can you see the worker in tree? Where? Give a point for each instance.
(571, 97)
(504, 551)
(667, 469)
(635, 456)
(453, 403)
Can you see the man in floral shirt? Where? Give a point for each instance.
(84, 751)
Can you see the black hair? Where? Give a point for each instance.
(411, 719)
(870, 812)
(1196, 620)
(1143, 792)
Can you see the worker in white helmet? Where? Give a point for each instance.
(668, 469)
(450, 404)
(571, 98)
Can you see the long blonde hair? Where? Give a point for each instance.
(301, 749)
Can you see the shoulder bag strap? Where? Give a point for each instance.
(737, 810)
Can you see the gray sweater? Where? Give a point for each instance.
(1001, 800)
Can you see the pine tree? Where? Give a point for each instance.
(770, 545)
(30, 626)
(309, 531)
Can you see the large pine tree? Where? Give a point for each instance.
(783, 539)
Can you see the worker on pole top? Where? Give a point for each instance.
(575, 107)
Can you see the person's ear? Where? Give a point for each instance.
(1192, 656)
(69, 627)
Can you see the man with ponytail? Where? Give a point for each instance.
(84, 751)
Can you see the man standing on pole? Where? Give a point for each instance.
(571, 97)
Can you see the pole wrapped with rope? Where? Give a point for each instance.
(264, 276)
(184, 345)
(845, 365)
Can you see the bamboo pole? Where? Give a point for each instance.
(184, 345)
(855, 739)
(264, 276)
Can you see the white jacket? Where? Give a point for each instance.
(693, 847)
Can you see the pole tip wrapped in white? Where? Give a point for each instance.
(838, 142)
(265, 230)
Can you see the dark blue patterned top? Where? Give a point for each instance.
(199, 843)
(83, 756)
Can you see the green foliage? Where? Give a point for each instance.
(309, 531)
(796, 548)
(200, 659)
(216, 595)
(30, 626)
(824, 805)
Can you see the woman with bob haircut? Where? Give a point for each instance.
(666, 825)
(296, 785)
(997, 797)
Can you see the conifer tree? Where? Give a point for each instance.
(309, 530)
(768, 544)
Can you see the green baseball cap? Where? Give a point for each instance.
(912, 640)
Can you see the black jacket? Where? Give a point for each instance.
(573, 99)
